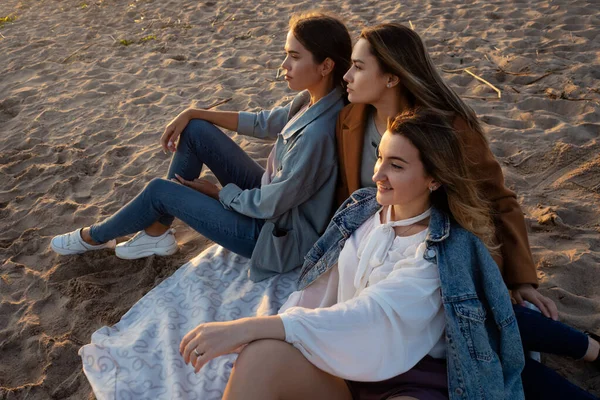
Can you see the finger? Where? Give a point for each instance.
(188, 352)
(173, 140)
(164, 139)
(199, 364)
(552, 309)
(193, 359)
(181, 180)
(187, 339)
(518, 298)
(539, 304)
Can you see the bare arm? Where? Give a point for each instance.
(214, 339)
(224, 119)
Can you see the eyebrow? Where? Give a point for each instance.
(356, 60)
(400, 159)
(291, 51)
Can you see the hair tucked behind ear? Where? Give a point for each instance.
(444, 159)
(324, 36)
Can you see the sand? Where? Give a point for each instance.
(86, 88)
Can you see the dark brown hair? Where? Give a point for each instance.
(444, 159)
(400, 51)
(324, 36)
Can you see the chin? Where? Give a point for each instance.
(354, 98)
(383, 199)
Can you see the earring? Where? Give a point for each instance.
(430, 189)
(389, 85)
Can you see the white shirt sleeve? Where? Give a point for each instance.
(322, 293)
(381, 333)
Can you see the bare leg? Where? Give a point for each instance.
(85, 235)
(275, 370)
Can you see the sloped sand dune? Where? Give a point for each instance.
(81, 113)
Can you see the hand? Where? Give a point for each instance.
(201, 185)
(168, 140)
(212, 340)
(526, 292)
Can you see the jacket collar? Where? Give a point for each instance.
(363, 204)
(353, 131)
(312, 113)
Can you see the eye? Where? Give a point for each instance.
(396, 166)
(357, 67)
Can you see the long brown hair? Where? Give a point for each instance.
(401, 52)
(324, 36)
(444, 159)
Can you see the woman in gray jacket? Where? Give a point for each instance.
(272, 215)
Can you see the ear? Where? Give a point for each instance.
(392, 80)
(434, 185)
(327, 66)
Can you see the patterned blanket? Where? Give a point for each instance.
(138, 358)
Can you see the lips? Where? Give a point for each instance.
(383, 188)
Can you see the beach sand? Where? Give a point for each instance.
(87, 87)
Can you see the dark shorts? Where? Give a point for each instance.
(425, 381)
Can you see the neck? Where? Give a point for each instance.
(320, 90)
(390, 105)
(402, 212)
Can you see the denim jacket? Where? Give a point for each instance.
(298, 203)
(484, 351)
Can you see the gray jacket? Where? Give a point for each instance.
(298, 203)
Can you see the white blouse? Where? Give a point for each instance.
(370, 320)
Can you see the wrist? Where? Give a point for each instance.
(192, 113)
(248, 329)
(256, 328)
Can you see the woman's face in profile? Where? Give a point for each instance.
(366, 81)
(301, 71)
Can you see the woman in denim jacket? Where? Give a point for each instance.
(272, 216)
(402, 301)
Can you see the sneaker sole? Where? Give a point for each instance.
(65, 252)
(147, 253)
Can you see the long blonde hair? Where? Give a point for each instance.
(401, 52)
(444, 159)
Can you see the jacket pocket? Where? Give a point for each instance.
(471, 318)
(278, 251)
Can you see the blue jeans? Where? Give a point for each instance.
(201, 143)
(545, 335)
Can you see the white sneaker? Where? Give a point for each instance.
(72, 243)
(144, 245)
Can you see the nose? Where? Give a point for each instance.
(348, 75)
(285, 64)
(378, 174)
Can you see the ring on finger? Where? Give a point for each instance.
(198, 354)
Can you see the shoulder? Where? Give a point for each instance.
(469, 136)
(352, 114)
(464, 243)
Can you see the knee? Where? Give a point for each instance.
(197, 128)
(158, 186)
(264, 356)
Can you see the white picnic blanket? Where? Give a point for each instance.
(138, 358)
